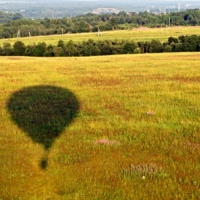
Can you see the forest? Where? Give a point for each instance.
(11, 24)
(106, 47)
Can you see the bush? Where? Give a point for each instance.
(39, 49)
(19, 48)
(7, 50)
(168, 48)
(129, 47)
(58, 51)
(156, 46)
(178, 47)
(137, 50)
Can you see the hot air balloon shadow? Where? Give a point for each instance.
(43, 112)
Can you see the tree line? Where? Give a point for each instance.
(7, 17)
(92, 22)
(107, 47)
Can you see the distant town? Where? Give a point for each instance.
(59, 9)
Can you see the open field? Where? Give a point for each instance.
(137, 34)
(136, 134)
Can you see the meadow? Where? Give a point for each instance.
(135, 134)
(136, 34)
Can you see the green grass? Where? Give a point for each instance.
(144, 108)
(136, 34)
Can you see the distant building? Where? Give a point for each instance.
(99, 11)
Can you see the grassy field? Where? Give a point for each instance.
(137, 34)
(135, 134)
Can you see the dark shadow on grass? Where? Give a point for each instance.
(43, 112)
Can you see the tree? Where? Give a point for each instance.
(1, 51)
(178, 47)
(58, 51)
(129, 47)
(156, 46)
(141, 46)
(49, 51)
(191, 43)
(113, 22)
(181, 38)
(137, 50)
(39, 49)
(83, 26)
(172, 39)
(90, 49)
(144, 47)
(24, 30)
(7, 49)
(193, 22)
(62, 45)
(121, 20)
(105, 47)
(17, 16)
(168, 48)
(29, 50)
(19, 48)
(71, 50)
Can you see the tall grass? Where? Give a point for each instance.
(136, 135)
(137, 34)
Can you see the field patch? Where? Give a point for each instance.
(112, 127)
(136, 34)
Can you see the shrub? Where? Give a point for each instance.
(168, 48)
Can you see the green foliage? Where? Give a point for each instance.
(129, 47)
(191, 43)
(61, 44)
(102, 47)
(144, 46)
(7, 49)
(89, 49)
(178, 47)
(172, 39)
(168, 48)
(113, 22)
(58, 51)
(19, 48)
(90, 22)
(71, 49)
(6, 17)
(39, 49)
(156, 46)
(137, 50)
(29, 50)
(82, 26)
(105, 47)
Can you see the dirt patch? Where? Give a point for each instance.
(99, 81)
(185, 79)
(192, 146)
(15, 58)
(141, 28)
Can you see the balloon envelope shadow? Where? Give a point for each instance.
(43, 112)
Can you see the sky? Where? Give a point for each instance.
(132, 1)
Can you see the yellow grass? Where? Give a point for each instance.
(136, 34)
(146, 106)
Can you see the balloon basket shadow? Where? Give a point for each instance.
(45, 160)
(43, 112)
